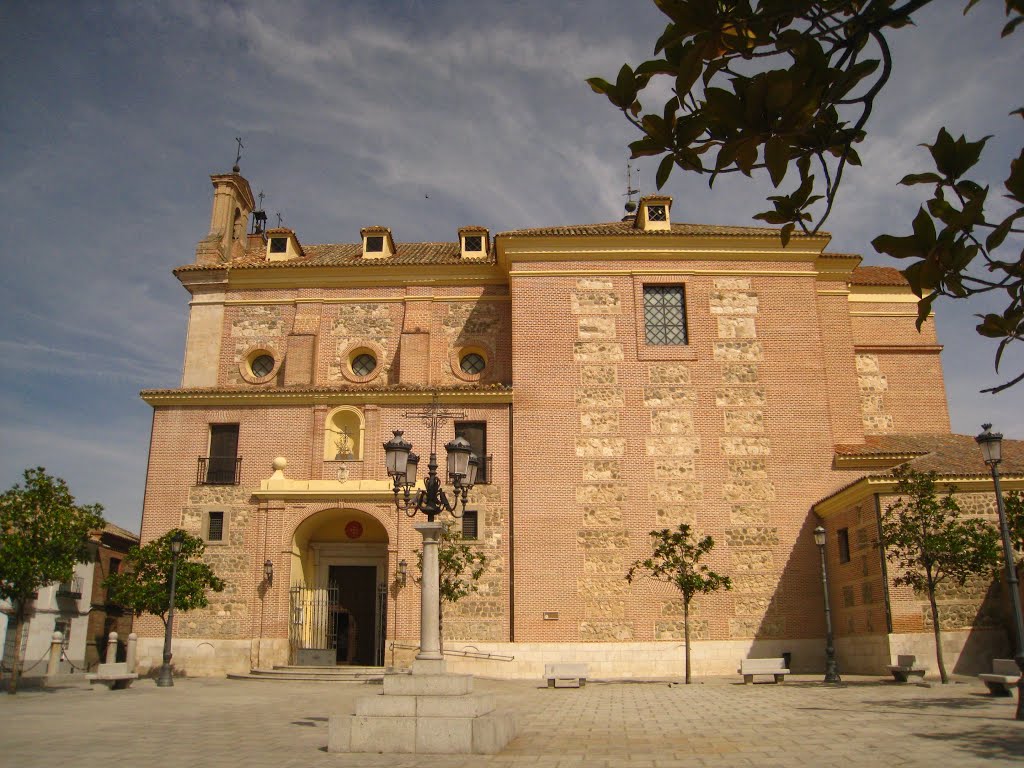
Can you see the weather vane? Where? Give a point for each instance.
(630, 191)
(279, 219)
(261, 196)
(238, 154)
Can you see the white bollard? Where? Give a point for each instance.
(133, 641)
(111, 648)
(53, 664)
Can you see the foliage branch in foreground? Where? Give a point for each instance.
(788, 87)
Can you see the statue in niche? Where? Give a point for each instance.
(343, 443)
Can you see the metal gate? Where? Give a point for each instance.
(312, 634)
(382, 623)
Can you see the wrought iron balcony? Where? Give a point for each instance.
(219, 470)
(483, 472)
(71, 589)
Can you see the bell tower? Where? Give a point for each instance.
(233, 203)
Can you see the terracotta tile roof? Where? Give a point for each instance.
(830, 255)
(947, 455)
(117, 530)
(626, 228)
(351, 255)
(878, 276)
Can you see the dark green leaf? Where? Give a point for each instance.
(920, 178)
(776, 158)
(664, 170)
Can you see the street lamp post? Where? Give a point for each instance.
(166, 679)
(992, 449)
(431, 501)
(831, 668)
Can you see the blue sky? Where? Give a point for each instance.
(114, 114)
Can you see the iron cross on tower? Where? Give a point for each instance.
(435, 414)
(238, 154)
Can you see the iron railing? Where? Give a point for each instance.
(219, 470)
(71, 588)
(483, 472)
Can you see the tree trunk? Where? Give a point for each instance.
(938, 633)
(19, 630)
(686, 636)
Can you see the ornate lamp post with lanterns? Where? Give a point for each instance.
(992, 450)
(430, 500)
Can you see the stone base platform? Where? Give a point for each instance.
(425, 711)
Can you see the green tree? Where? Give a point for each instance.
(784, 85)
(676, 560)
(43, 534)
(144, 584)
(1014, 506)
(459, 568)
(928, 542)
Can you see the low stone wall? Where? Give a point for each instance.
(197, 657)
(863, 655)
(633, 660)
(965, 652)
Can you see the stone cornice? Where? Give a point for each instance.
(865, 487)
(255, 396)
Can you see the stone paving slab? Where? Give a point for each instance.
(653, 724)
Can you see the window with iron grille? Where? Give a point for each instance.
(474, 243)
(375, 244)
(843, 536)
(656, 213)
(665, 314)
(278, 244)
(215, 530)
(469, 524)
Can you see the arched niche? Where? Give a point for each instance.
(343, 434)
(328, 530)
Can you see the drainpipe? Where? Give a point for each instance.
(511, 538)
(885, 566)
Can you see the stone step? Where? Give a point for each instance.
(314, 674)
(303, 679)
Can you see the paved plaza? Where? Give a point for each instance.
(715, 722)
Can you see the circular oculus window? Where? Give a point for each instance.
(262, 365)
(364, 364)
(473, 363)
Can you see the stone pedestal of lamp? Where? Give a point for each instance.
(425, 710)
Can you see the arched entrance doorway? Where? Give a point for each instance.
(339, 589)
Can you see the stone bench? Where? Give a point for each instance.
(905, 667)
(566, 675)
(115, 676)
(774, 667)
(1004, 675)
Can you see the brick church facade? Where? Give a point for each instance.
(615, 378)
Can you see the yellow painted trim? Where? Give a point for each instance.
(882, 294)
(645, 272)
(351, 490)
(887, 314)
(257, 397)
(831, 292)
(869, 486)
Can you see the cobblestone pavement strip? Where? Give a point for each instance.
(716, 722)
